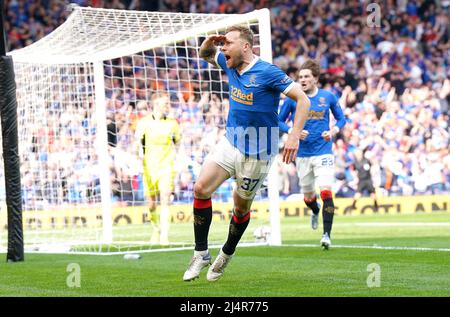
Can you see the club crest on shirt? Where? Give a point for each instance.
(252, 81)
(322, 102)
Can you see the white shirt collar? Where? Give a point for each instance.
(253, 62)
(314, 92)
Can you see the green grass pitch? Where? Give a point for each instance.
(412, 252)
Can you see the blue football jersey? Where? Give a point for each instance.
(252, 124)
(318, 121)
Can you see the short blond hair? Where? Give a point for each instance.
(245, 33)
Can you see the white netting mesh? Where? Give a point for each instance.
(91, 31)
(59, 136)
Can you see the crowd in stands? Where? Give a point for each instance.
(392, 77)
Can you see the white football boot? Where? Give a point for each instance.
(200, 260)
(325, 242)
(216, 270)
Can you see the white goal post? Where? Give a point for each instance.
(79, 92)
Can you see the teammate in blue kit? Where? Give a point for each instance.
(250, 142)
(315, 160)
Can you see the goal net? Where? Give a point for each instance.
(81, 91)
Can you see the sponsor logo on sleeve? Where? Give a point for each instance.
(286, 80)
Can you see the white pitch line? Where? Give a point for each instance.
(385, 224)
(401, 224)
(369, 247)
(375, 247)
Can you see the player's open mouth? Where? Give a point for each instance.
(227, 57)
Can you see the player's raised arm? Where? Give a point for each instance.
(208, 48)
(301, 115)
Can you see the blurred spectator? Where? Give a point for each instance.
(392, 81)
(363, 167)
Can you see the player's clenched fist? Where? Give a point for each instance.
(326, 135)
(303, 134)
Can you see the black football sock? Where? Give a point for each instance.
(236, 230)
(328, 214)
(327, 211)
(202, 222)
(312, 204)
